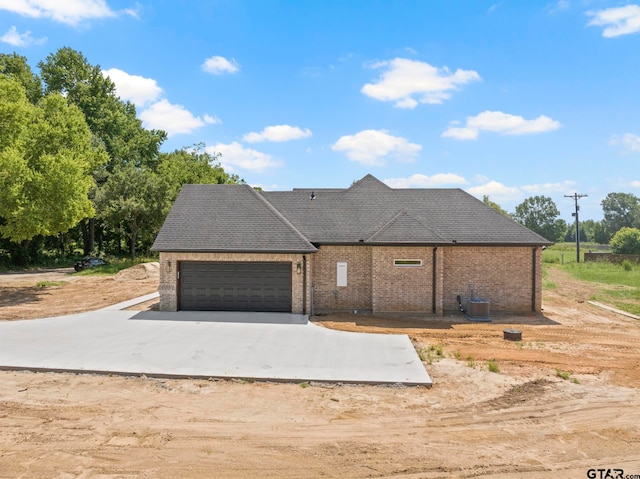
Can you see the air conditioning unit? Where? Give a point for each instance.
(478, 309)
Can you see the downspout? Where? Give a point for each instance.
(533, 278)
(304, 284)
(434, 276)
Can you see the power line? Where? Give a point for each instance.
(576, 197)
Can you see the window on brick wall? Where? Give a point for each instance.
(407, 262)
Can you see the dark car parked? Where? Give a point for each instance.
(88, 262)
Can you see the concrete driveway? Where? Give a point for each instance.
(263, 346)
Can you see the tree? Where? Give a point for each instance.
(620, 209)
(132, 199)
(16, 67)
(191, 166)
(114, 123)
(494, 205)
(570, 236)
(46, 159)
(540, 214)
(626, 241)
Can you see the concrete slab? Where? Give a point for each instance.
(262, 346)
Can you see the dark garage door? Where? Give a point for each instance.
(235, 286)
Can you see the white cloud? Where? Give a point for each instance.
(461, 133)
(629, 142)
(635, 184)
(134, 88)
(370, 147)
(71, 12)
(234, 156)
(17, 39)
(219, 65)
(496, 191)
(277, 133)
(212, 120)
(558, 7)
(161, 114)
(419, 180)
(617, 21)
(404, 78)
(502, 123)
(174, 119)
(546, 188)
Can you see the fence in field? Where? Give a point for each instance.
(612, 257)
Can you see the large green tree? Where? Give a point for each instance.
(114, 123)
(112, 120)
(131, 201)
(620, 210)
(46, 160)
(540, 214)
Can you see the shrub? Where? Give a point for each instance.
(626, 241)
(626, 265)
(493, 366)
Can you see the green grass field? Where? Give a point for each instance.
(619, 285)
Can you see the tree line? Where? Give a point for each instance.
(77, 168)
(620, 226)
(78, 171)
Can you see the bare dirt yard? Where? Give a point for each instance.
(564, 400)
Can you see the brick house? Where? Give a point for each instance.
(366, 248)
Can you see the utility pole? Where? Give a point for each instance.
(576, 197)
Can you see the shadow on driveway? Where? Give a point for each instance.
(222, 317)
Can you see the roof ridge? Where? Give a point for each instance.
(280, 216)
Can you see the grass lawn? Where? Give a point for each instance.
(620, 284)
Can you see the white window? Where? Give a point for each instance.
(407, 262)
(341, 274)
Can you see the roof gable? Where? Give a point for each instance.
(404, 228)
(368, 184)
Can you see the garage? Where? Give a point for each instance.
(235, 286)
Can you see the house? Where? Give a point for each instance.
(368, 248)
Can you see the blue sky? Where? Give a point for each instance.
(506, 98)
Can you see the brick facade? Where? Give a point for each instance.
(402, 288)
(502, 275)
(330, 297)
(170, 263)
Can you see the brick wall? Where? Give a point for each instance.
(402, 288)
(503, 275)
(330, 297)
(169, 263)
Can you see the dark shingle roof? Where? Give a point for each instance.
(227, 218)
(237, 218)
(372, 212)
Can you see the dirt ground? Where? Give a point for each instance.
(566, 399)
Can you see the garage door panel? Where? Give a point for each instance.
(235, 286)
